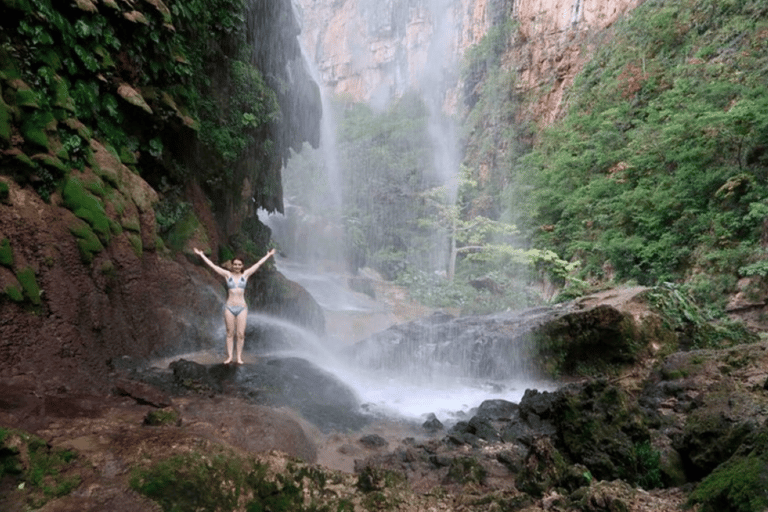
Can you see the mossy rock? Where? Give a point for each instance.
(544, 468)
(6, 251)
(6, 115)
(740, 484)
(127, 157)
(61, 96)
(466, 470)
(182, 231)
(162, 417)
(14, 293)
(87, 241)
(51, 162)
(25, 96)
(4, 193)
(87, 207)
(136, 243)
(25, 161)
(601, 426)
(33, 131)
(76, 125)
(29, 284)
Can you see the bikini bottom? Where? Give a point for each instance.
(236, 310)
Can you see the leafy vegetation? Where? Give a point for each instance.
(223, 481)
(40, 471)
(659, 172)
(140, 81)
(740, 484)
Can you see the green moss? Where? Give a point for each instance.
(28, 282)
(182, 231)
(217, 482)
(61, 97)
(5, 121)
(34, 133)
(6, 252)
(26, 97)
(159, 417)
(52, 163)
(465, 470)
(739, 485)
(127, 156)
(87, 206)
(14, 293)
(135, 241)
(45, 472)
(87, 241)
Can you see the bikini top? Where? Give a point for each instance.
(240, 283)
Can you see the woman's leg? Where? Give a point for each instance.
(241, 320)
(229, 321)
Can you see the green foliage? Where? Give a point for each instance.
(701, 329)
(26, 278)
(659, 165)
(159, 417)
(46, 475)
(648, 466)
(223, 482)
(252, 107)
(739, 484)
(77, 63)
(467, 470)
(6, 253)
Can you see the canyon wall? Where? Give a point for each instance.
(371, 50)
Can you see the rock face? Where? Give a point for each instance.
(84, 274)
(372, 51)
(598, 331)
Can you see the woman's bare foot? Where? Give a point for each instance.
(240, 362)
(229, 360)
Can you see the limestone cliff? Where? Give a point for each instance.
(371, 50)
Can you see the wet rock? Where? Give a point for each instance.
(513, 457)
(521, 431)
(362, 285)
(373, 441)
(591, 330)
(141, 392)
(193, 375)
(542, 469)
(599, 425)
(615, 496)
(319, 396)
(538, 403)
(497, 409)
(432, 424)
(482, 427)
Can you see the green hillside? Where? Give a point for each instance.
(659, 170)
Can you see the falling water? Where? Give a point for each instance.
(431, 385)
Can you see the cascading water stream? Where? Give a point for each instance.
(436, 374)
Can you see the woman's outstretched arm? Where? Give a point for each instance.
(222, 272)
(253, 268)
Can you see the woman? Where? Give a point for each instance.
(235, 309)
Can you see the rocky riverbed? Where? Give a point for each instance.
(658, 427)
